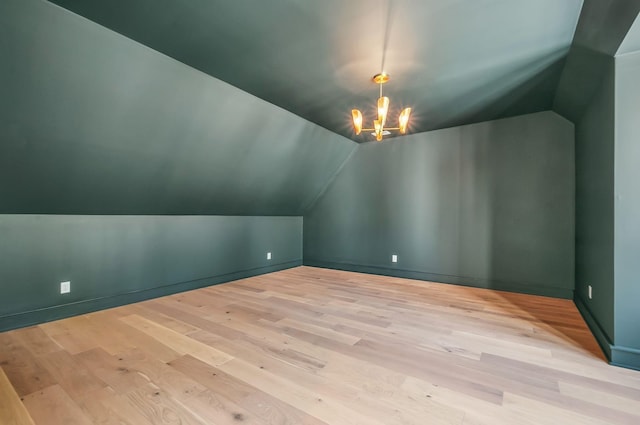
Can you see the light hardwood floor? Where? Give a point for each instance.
(315, 346)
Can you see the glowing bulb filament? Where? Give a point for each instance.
(357, 120)
(383, 108)
(377, 126)
(403, 120)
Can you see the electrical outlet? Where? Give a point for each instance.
(590, 293)
(268, 256)
(65, 287)
(394, 258)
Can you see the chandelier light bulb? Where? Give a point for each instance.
(377, 126)
(357, 121)
(403, 120)
(383, 108)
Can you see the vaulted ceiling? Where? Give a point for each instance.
(454, 61)
(94, 120)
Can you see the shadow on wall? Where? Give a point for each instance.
(530, 190)
(519, 96)
(488, 205)
(521, 89)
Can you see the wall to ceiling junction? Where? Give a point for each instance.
(488, 205)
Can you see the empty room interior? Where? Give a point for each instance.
(319, 212)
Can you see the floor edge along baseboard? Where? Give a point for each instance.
(61, 311)
(617, 355)
(594, 326)
(545, 291)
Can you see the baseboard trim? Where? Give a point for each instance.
(594, 326)
(48, 314)
(546, 291)
(625, 357)
(617, 355)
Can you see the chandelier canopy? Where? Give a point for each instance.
(379, 128)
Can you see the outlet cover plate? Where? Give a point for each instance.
(65, 287)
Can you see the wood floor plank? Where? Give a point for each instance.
(543, 414)
(333, 410)
(176, 341)
(12, 411)
(152, 403)
(37, 341)
(318, 347)
(53, 406)
(72, 376)
(73, 334)
(141, 340)
(368, 389)
(97, 407)
(263, 405)
(630, 405)
(111, 370)
(318, 330)
(24, 370)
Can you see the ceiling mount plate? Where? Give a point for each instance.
(381, 78)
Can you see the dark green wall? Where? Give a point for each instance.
(594, 197)
(94, 123)
(608, 207)
(627, 205)
(599, 93)
(488, 205)
(112, 260)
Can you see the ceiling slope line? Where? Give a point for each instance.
(314, 201)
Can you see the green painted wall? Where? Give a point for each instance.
(598, 93)
(594, 197)
(580, 82)
(111, 260)
(488, 204)
(92, 122)
(627, 204)
(607, 208)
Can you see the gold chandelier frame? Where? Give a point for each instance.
(383, 108)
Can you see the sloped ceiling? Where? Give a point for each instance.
(605, 23)
(601, 30)
(631, 42)
(454, 61)
(92, 122)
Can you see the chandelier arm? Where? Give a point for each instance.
(386, 128)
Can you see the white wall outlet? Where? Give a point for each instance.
(268, 256)
(394, 258)
(65, 287)
(590, 293)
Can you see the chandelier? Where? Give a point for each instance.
(379, 128)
